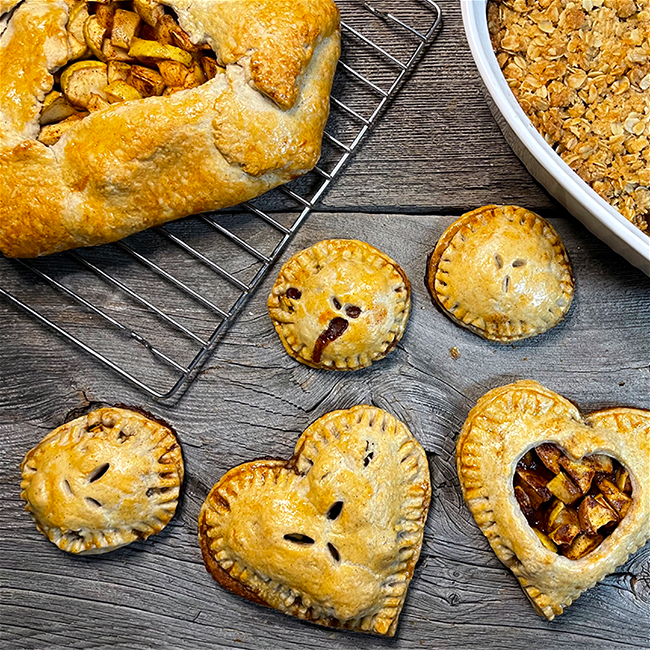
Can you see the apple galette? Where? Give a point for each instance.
(103, 480)
(340, 304)
(501, 272)
(332, 535)
(562, 500)
(119, 116)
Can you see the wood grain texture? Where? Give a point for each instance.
(252, 400)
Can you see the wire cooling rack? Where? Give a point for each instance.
(154, 306)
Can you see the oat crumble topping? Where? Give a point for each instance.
(580, 70)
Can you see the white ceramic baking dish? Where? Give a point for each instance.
(540, 159)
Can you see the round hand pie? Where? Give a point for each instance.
(501, 272)
(119, 116)
(103, 481)
(332, 535)
(340, 305)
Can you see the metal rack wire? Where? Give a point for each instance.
(370, 73)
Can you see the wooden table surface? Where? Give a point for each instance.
(437, 154)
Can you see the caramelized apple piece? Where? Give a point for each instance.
(524, 501)
(534, 485)
(546, 541)
(582, 545)
(105, 14)
(146, 81)
(550, 455)
(615, 497)
(564, 488)
(212, 69)
(125, 27)
(623, 480)
(565, 534)
(580, 474)
(562, 522)
(599, 463)
(560, 514)
(594, 514)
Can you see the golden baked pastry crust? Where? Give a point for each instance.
(331, 536)
(141, 163)
(501, 272)
(340, 304)
(103, 480)
(507, 422)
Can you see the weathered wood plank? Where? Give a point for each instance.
(252, 400)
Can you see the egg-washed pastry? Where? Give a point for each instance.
(333, 534)
(563, 500)
(501, 272)
(103, 480)
(119, 116)
(340, 304)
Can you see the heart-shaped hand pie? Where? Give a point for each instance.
(332, 535)
(562, 500)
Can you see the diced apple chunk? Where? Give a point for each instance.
(534, 485)
(97, 103)
(120, 91)
(600, 463)
(113, 53)
(125, 27)
(56, 108)
(582, 545)
(105, 14)
(524, 501)
(150, 10)
(550, 455)
(623, 480)
(616, 498)
(564, 489)
(118, 71)
(151, 52)
(211, 67)
(594, 514)
(173, 73)
(580, 474)
(76, 19)
(146, 81)
(94, 35)
(168, 31)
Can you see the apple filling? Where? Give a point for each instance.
(121, 51)
(571, 505)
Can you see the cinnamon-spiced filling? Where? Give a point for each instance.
(571, 505)
(121, 51)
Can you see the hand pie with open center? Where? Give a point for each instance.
(340, 304)
(501, 272)
(103, 480)
(562, 500)
(332, 535)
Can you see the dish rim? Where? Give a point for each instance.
(474, 13)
